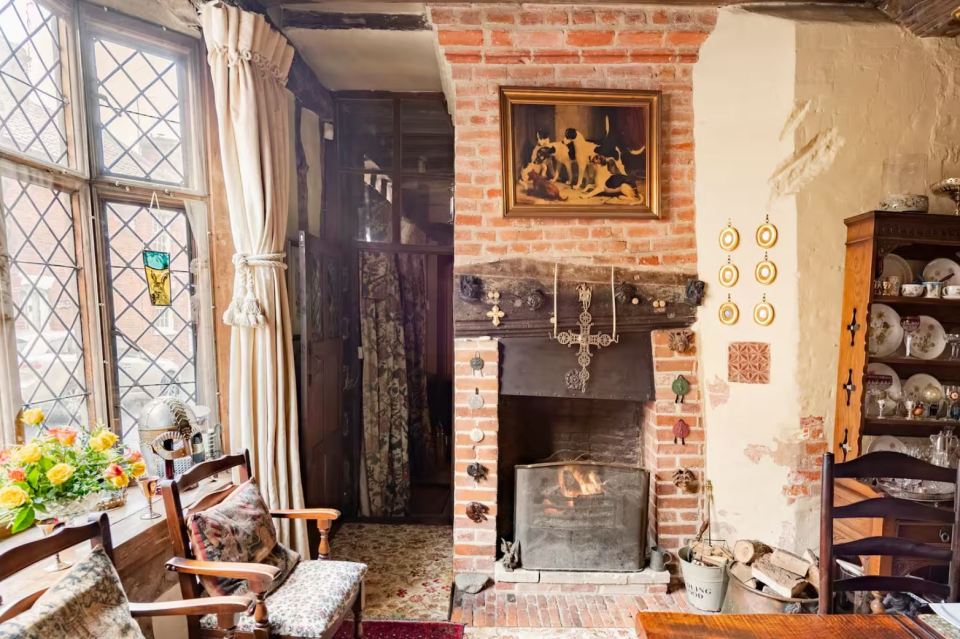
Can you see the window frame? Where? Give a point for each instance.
(90, 188)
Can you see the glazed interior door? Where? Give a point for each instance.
(321, 353)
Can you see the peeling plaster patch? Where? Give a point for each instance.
(788, 535)
(718, 391)
(795, 118)
(806, 163)
(800, 456)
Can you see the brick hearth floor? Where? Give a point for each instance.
(499, 614)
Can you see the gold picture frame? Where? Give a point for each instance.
(617, 170)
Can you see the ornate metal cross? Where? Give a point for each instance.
(585, 340)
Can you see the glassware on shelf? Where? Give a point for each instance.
(953, 338)
(910, 324)
(952, 395)
(876, 386)
(911, 406)
(932, 395)
(48, 527)
(148, 487)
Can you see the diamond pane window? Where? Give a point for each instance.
(38, 224)
(155, 347)
(32, 103)
(138, 106)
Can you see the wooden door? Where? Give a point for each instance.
(321, 377)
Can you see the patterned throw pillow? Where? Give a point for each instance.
(239, 529)
(88, 603)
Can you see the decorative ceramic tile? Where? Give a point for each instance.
(748, 362)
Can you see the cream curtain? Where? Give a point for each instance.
(249, 62)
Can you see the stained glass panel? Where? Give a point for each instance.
(155, 351)
(32, 100)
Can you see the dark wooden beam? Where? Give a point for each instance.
(293, 19)
(924, 18)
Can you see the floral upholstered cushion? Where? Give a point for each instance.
(88, 603)
(238, 529)
(310, 601)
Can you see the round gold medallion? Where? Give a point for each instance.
(763, 313)
(729, 238)
(766, 271)
(729, 312)
(766, 235)
(729, 274)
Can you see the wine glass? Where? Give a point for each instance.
(48, 527)
(910, 324)
(953, 339)
(148, 486)
(876, 386)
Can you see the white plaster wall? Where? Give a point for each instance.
(800, 129)
(743, 92)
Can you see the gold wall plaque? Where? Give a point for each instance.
(766, 271)
(767, 235)
(729, 274)
(729, 238)
(729, 312)
(763, 313)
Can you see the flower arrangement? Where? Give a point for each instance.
(58, 467)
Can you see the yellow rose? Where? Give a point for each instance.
(102, 441)
(13, 497)
(28, 454)
(138, 468)
(115, 475)
(60, 473)
(32, 416)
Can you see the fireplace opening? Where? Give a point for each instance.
(571, 487)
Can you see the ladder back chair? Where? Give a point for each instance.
(311, 603)
(97, 532)
(897, 466)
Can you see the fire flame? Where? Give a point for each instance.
(576, 482)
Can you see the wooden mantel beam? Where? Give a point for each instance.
(301, 81)
(924, 18)
(294, 19)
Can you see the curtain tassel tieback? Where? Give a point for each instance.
(245, 309)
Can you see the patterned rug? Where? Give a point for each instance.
(402, 630)
(549, 633)
(410, 568)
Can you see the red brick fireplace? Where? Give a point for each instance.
(484, 47)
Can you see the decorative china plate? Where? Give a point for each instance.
(886, 442)
(940, 268)
(913, 387)
(930, 339)
(885, 333)
(895, 265)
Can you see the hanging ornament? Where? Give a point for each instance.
(766, 271)
(681, 430)
(729, 312)
(156, 267)
(729, 237)
(476, 400)
(680, 388)
(767, 234)
(729, 274)
(763, 312)
(477, 364)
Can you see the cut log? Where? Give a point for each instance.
(777, 580)
(715, 560)
(744, 573)
(790, 562)
(746, 551)
(811, 556)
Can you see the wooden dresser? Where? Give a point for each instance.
(918, 238)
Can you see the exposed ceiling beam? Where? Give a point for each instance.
(924, 18)
(293, 19)
(301, 81)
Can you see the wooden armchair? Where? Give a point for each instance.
(97, 531)
(894, 465)
(314, 600)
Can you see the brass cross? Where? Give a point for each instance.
(584, 340)
(495, 314)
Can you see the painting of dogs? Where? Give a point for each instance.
(580, 152)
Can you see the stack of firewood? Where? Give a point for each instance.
(775, 571)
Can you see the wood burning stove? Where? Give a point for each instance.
(581, 515)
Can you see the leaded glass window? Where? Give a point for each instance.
(154, 347)
(33, 113)
(39, 227)
(139, 112)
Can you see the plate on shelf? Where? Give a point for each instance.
(885, 333)
(941, 268)
(930, 339)
(896, 265)
(914, 386)
(888, 443)
(894, 392)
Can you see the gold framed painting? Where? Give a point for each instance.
(580, 152)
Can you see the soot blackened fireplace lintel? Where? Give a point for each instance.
(581, 516)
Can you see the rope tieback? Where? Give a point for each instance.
(245, 309)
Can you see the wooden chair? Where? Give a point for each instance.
(97, 531)
(259, 577)
(892, 465)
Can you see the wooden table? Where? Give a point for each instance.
(662, 625)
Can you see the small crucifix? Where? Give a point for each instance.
(584, 339)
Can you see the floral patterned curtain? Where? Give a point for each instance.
(413, 297)
(385, 391)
